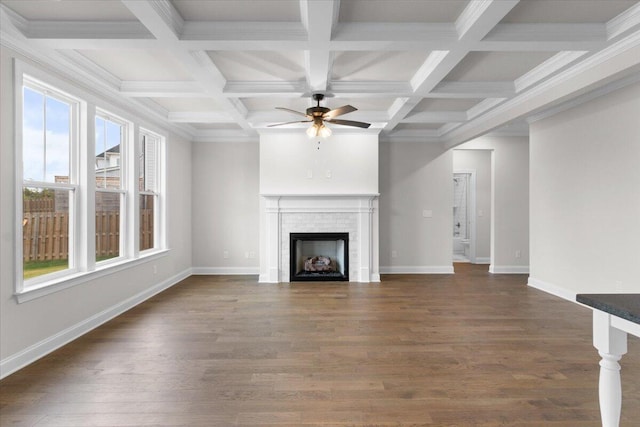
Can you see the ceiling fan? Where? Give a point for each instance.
(319, 115)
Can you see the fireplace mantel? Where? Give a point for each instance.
(356, 214)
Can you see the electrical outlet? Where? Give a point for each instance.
(246, 255)
(518, 253)
(328, 174)
(225, 254)
(309, 173)
(252, 254)
(394, 254)
(618, 286)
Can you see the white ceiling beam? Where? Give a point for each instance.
(546, 69)
(251, 89)
(319, 18)
(159, 16)
(473, 24)
(165, 23)
(168, 89)
(200, 117)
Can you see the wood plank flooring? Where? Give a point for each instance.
(470, 349)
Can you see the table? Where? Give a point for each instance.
(614, 316)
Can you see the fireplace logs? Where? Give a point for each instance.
(318, 263)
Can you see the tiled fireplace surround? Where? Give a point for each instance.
(356, 214)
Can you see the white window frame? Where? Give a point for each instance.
(124, 189)
(37, 85)
(82, 187)
(158, 211)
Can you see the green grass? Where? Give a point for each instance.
(38, 268)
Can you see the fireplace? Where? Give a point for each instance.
(319, 257)
(356, 215)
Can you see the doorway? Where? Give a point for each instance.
(464, 208)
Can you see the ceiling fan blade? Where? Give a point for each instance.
(339, 111)
(292, 111)
(350, 123)
(289, 123)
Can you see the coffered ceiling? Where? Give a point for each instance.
(423, 70)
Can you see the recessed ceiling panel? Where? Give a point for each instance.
(433, 11)
(496, 66)
(443, 104)
(363, 104)
(260, 65)
(188, 104)
(71, 10)
(139, 65)
(239, 10)
(376, 66)
(566, 11)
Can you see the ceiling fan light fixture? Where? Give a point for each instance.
(316, 130)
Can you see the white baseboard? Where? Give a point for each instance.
(226, 271)
(483, 260)
(552, 289)
(435, 269)
(40, 349)
(509, 269)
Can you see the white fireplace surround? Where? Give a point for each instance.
(356, 214)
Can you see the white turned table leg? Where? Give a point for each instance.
(611, 344)
(610, 390)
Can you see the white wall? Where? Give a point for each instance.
(510, 201)
(292, 163)
(226, 207)
(415, 177)
(585, 197)
(480, 162)
(32, 328)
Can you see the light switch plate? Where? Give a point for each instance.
(427, 213)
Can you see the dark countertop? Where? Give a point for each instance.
(625, 306)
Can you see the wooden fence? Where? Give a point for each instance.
(45, 235)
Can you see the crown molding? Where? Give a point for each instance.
(547, 68)
(567, 76)
(625, 21)
(604, 90)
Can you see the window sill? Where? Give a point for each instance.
(58, 284)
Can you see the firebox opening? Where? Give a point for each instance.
(319, 257)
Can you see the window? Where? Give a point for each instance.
(110, 189)
(148, 154)
(89, 192)
(49, 184)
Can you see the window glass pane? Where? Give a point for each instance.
(147, 204)
(108, 160)
(107, 225)
(46, 130)
(58, 136)
(45, 231)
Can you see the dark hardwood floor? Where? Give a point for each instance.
(470, 349)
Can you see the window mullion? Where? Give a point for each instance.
(87, 208)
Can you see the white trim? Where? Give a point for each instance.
(483, 260)
(552, 289)
(226, 271)
(51, 286)
(509, 269)
(424, 269)
(40, 349)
